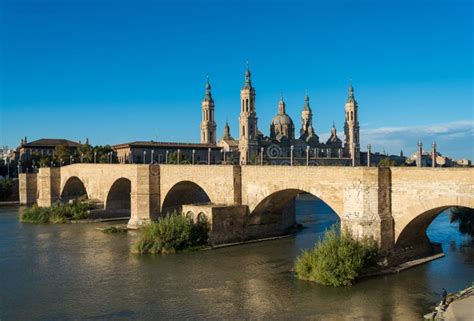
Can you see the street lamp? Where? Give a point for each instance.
(261, 155)
(291, 154)
(177, 160)
(209, 156)
(194, 152)
(95, 157)
(144, 157)
(152, 156)
(307, 155)
(111, 157)
(166, 160)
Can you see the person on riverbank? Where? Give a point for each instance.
(444, 296)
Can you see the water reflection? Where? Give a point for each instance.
(74, 271)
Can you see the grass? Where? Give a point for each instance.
(337, 260)
(171, 234)
(58, 213)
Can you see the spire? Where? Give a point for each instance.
(281, 106)
(306, 103)
(227, 135)
(350, 97)
(248, 82)
(208, 96)
(333, 129)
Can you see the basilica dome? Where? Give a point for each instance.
(281, 120)
(282, 125)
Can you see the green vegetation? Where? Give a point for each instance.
(171, 234)
(114, 229)
(337, 260)
(387, 162)
(5, 189)
(56, 214)
(465, 217)
(173, 158)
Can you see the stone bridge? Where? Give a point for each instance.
(392, 205)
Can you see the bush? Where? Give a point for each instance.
(114, 229)
(337, 260)
(5, 189)
(465, 217)
(56, 214)
(171, 234)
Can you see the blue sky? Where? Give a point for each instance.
(119, 71)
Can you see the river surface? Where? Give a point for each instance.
(76, 272)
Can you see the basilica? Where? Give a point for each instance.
(282, 146)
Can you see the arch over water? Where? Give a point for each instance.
(413, 235)
(119, 197)
(73, 188)
(276, 213)
(184, 192)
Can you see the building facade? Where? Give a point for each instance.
(282, 146)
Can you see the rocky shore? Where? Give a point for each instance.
(458, 307)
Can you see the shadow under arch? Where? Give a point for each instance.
(118, 198)
(74, 188)
(275, 215)
(413, 242)
(182, 193)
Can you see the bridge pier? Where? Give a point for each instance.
(28, 188)
(49, 186)
(145, 196)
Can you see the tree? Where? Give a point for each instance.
(387, 162)
(62, 152)
(465, 217)
(103, 153)
(173, 156)
(86, 153)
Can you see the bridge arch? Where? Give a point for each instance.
(182, 193)
(73, 188)
(411, 228)
(275, 214)
(119, 195)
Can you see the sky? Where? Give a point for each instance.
(121, 71)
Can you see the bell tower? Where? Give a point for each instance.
(351, 128)
(208, 125)
(307, 129)
(248, 143)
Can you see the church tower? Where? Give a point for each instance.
(307, 129)
(208, 125)
(248, 143)
(351, 128)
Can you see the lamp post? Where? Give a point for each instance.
(70, 159)
(178, 153)
(152, 156)
(209, 156)
(433, 155)
(111, 157)
(194, 152)
(420, 154)
(144, 157)
(166, 158)
(369, 151)
(95, 157)
(307, 155)
(261, 156)
(291, 154)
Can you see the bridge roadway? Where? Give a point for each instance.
(392, 205)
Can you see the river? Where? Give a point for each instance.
(76, 272)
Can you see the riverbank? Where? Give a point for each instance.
(458, 307)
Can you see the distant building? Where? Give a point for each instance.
(146, 152)
(463, 162)
(43, 146)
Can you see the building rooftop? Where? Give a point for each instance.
(51, 142)
(164, 145)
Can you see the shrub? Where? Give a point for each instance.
(114, 229)
(171, 234)
(5, 188)
(465, 217)
(56, 214)
(337, 260)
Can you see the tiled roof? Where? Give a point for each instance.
(152, 144)
(51, 142)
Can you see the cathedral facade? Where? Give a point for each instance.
(282, 146)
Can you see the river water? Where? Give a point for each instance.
(76, 272)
